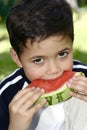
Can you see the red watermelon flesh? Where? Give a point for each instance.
(52, 85)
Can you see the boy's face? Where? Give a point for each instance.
(47, 59)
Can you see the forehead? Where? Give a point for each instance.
(50, 42)
(48, 47)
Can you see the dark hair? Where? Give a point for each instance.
(38, 19)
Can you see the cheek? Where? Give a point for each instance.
(33, 73)
(69, 65)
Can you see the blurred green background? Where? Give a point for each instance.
(80, 30)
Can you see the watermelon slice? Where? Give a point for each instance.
(56, 90)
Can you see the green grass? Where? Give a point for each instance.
(80, 45)
(6, 63)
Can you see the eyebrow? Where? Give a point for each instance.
(34, 57)
(65, 49)
(39, 56)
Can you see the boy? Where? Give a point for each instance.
(41, 35)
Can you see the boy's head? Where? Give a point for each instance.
(41, 35)
(38, 19)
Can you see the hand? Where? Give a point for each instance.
(22, 108)
(79, 83)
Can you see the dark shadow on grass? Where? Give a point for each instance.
(6, 65)
(3, 38)
(80, 55)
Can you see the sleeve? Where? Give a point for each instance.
(80, 67)
(4, 116)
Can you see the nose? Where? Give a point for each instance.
(53, 68)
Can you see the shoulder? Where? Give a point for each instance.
(12, 78)
(13, 83)
(78, 66)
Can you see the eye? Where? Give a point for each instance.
(38, 60)
(62, 54)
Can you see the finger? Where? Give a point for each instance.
(78, 84)
(79, 96)
(36, 107)
(21, 93)
(32, 98)
(16, 101)
(80, 78)
(26, 102)
(20, 98)
(80, 87)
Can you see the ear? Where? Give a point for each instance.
(15, 57)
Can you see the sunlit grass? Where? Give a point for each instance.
(80, 27)
(6, 63)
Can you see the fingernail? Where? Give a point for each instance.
(33, 88)
(68, 84)
(43, 90)
(38, 88)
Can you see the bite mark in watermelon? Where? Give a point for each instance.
(56, 90)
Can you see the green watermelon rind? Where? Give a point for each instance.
(59, 95)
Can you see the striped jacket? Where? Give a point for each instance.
(17, 81)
